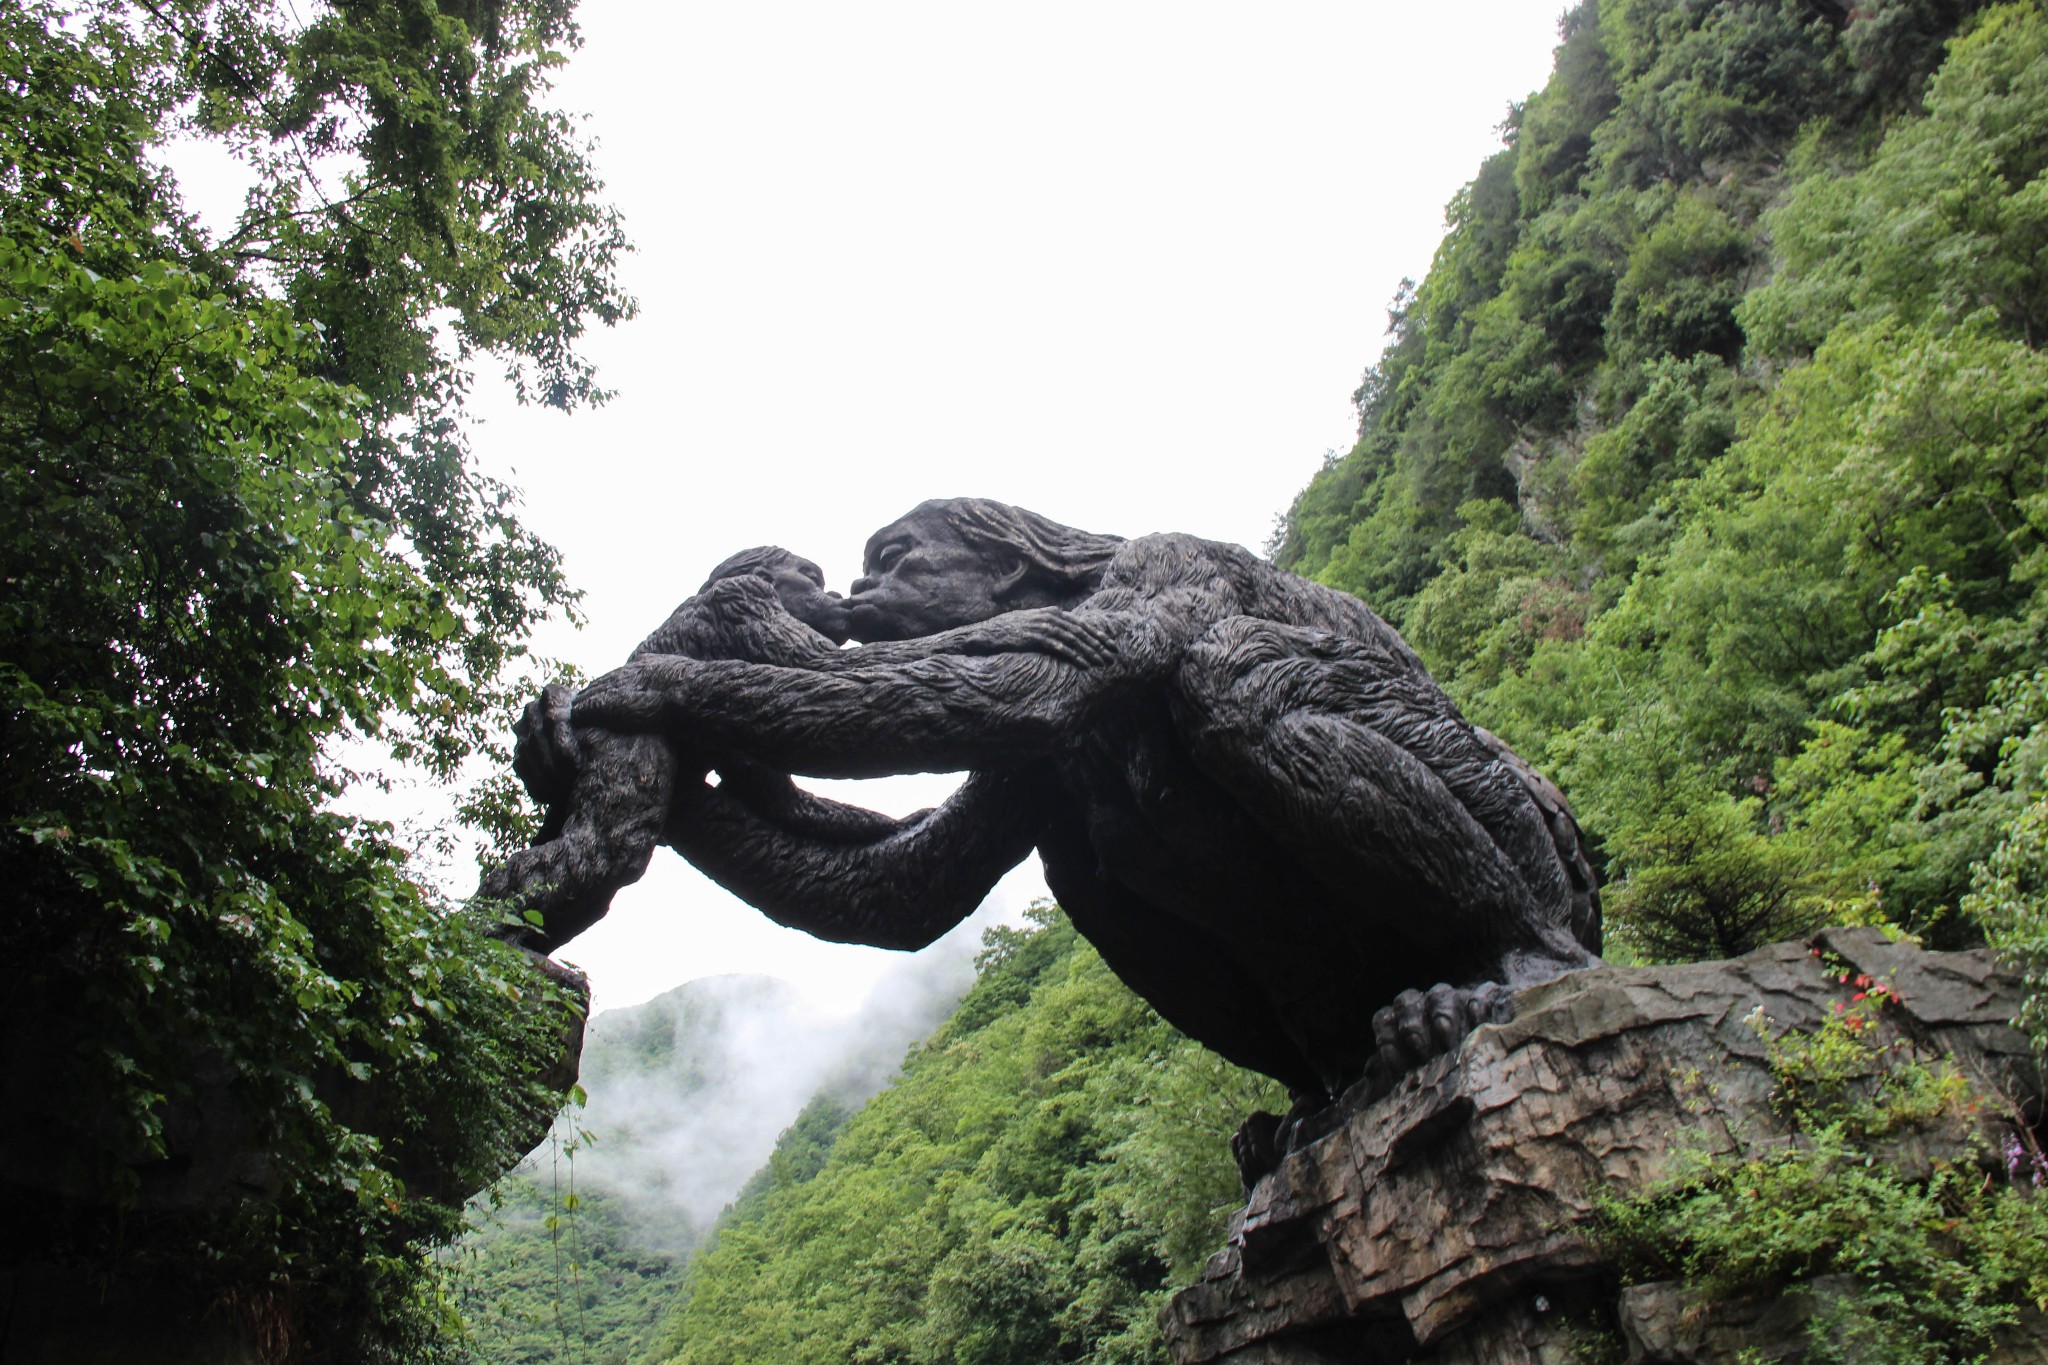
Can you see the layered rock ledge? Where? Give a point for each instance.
(1445, 1222)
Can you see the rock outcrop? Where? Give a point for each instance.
(1445, 1221)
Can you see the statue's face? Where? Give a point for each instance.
(801, 586)
(919, 577)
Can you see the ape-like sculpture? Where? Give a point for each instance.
(1246, 790)
(611, 796)
(608, 796)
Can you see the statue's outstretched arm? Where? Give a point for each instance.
(943, 713)
(1084, 638)
(902, 890)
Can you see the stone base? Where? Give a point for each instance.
(1442, 1222)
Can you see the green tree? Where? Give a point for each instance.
(1949, 219)
(239, 524)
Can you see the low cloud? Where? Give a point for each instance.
(689, 1091)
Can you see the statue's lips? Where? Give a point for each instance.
(871, 622)
(833, 624)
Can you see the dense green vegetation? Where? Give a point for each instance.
(239, 524)
(578, 1258)
(1942, 1261)
(1052, 1163)
(1709, 464)
(558, 1274)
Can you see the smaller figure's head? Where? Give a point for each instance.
(799, 584)
(956, 561)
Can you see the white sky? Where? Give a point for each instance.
(1118, 262)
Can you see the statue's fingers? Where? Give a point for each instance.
(1492, 1003)
(609, 701)
(1444, 1017)
(1054, 644)
(1051, 637)
(1095, 641)
(1386, 1036)
(1411, 1025)
(1081, 643)
(592, 701)
(530, 728)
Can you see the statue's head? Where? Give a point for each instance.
(955, 561)
(799, 584)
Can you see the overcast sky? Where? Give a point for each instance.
(1121, 263)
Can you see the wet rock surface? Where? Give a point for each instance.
(1443, 1222)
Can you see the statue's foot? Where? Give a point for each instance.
(1262, 1140)
(1256, 1148)
(1417, 1027)
(1421, 1025)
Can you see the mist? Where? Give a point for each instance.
(689, 1091)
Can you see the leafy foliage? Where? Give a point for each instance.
(1939, 1262)
(557, 1277)
(1706, 464)
(238, 527)
(1031, 1189)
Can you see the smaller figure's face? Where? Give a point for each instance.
(919, 577)
(801, 586)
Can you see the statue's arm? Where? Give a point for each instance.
(1085, 638)
(943, 713)
(772, 796)
(902, 890)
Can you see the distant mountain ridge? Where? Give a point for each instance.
(688, 1094)
(689, 1090)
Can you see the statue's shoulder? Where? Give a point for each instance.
(1215, 578)
(1174, 559)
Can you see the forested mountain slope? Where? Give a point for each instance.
(1052, 1163)
(686, 1096)
(1709, 463)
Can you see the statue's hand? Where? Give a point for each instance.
(634, 697)
(544, 752)
(1077, 638)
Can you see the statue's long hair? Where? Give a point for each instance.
(762, 559)
(1064, 559)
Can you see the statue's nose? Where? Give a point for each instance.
(860, 585)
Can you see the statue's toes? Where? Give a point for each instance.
(1420, 1025)
(1492, 1003)
(1444, 1014)
(1399, 1034)
(1256, 1147)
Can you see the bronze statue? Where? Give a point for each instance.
(1246, 790)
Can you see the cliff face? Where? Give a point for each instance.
(1449, 1221)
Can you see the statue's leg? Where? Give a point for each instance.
(1362, 769)
(615, 814)
(1208, 988)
